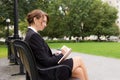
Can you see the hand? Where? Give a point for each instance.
(63, 51)
(58, 52)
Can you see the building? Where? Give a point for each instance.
(116, 4)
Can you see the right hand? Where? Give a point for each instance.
(63, 51)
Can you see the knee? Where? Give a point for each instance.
(77, 71)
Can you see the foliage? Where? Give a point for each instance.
(105, 20)
(85, 18)
(75, 18)
(5, 12)
(23, 27)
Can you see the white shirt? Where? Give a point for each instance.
(33, 29)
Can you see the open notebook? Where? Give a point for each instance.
(67, 52)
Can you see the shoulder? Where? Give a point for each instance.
(32, 35)
(29, 34)
(30, 31)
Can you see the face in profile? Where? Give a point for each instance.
(41, 23)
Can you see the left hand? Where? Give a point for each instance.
(58, 52)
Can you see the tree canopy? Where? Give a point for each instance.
(67, 17)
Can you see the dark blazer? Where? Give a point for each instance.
(44, 56)
(41, 50)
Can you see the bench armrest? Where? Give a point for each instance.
(61, 72)
(53, 67)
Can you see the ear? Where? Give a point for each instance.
(34, 19)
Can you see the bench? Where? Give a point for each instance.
(16, 59)
(59, 72)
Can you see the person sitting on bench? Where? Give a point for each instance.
(37, 21)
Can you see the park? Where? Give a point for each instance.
(90, 28)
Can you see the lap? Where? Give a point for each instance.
(74, 62)
(68, 62)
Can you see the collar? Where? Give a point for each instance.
(30, 27)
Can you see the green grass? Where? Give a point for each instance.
(108, 49)
(3, 51)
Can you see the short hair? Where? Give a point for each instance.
(36, 13)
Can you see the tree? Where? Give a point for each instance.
(56, 25)
(105, 18)
(5, 12)
(88, 17)
(67, 17)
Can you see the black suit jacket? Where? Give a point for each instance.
(41, 50)
(45, 58)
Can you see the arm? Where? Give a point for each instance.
(42, 51)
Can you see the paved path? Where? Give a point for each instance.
(6, 70)
(99, 68)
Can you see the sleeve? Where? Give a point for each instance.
(42, 51)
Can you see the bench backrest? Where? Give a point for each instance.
(58, 72)
(27, 58)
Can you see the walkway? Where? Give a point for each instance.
(99, 68)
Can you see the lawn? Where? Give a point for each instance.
(3, 51)
(108, 49)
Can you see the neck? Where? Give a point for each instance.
(33, 26)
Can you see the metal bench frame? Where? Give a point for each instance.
(33, 72)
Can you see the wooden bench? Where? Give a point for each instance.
(59, 72)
